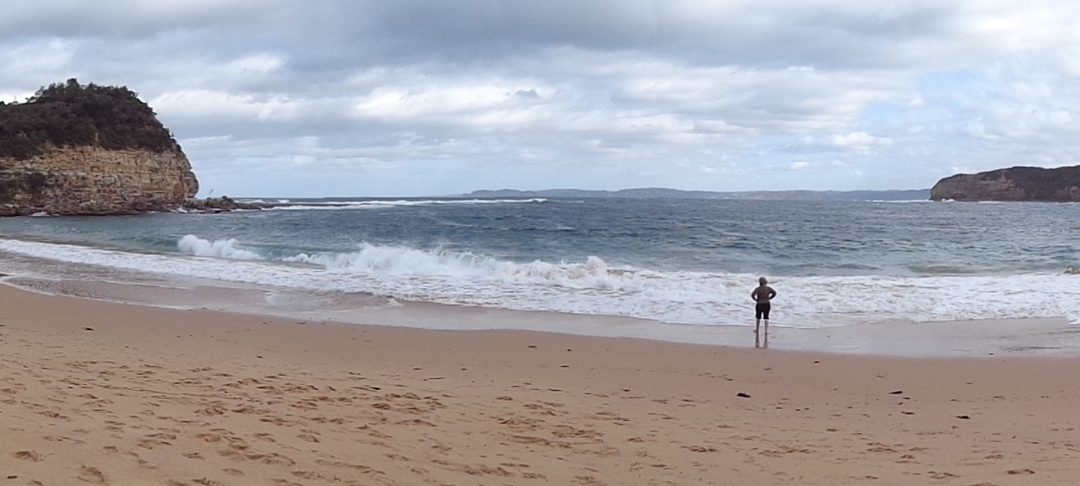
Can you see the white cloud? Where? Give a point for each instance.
(860, 142)
(394, 102)
(220, 104)
(26, 61)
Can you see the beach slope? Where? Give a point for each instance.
(100, 393)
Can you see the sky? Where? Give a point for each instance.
(425, 98)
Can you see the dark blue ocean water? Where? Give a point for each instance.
(679, 260)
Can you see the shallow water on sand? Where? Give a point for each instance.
(981, 338)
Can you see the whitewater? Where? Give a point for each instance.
(672, 261)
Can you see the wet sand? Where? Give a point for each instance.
(103, 393)
(992, 337)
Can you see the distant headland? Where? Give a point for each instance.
(1012, 184)
(662, 193)
(88, 149)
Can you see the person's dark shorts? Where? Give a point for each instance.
(762, 311)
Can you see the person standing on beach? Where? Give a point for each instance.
(763, 295)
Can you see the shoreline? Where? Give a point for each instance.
(959, 338)
(108, 393)
(668, 296)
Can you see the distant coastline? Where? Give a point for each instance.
(662, 193)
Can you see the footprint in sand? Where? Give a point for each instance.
(211, 410)
(29, 456)
(941, 475)
(91, 475)
(310, 475)
(1017, 472)
(207, 482)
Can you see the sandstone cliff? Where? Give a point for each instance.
(74, 149)
(1013, 184)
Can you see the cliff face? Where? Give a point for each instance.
(1013, 184)
(91, 180)
(74, 149)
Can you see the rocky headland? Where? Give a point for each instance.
(1061, 184)
(75, 149)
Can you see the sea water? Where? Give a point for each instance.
(678, 261)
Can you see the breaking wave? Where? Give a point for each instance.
(193, 245)
(389, 203)
(592, 285)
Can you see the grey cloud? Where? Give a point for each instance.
(123, 19)
(522, 91)
(332, 37)
(825, 34)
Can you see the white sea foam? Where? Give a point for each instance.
(593, 286)
(384, 203)
(262, 201)
(193, 245)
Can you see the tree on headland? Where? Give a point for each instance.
(72, 115)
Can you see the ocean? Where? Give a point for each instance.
(673, 261)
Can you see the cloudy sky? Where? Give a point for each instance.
(420, 98)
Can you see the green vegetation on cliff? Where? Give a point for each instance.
(72, 115)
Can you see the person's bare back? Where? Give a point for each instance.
(763, 294)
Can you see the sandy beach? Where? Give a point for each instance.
(93, 392)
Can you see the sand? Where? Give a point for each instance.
(101, 393)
